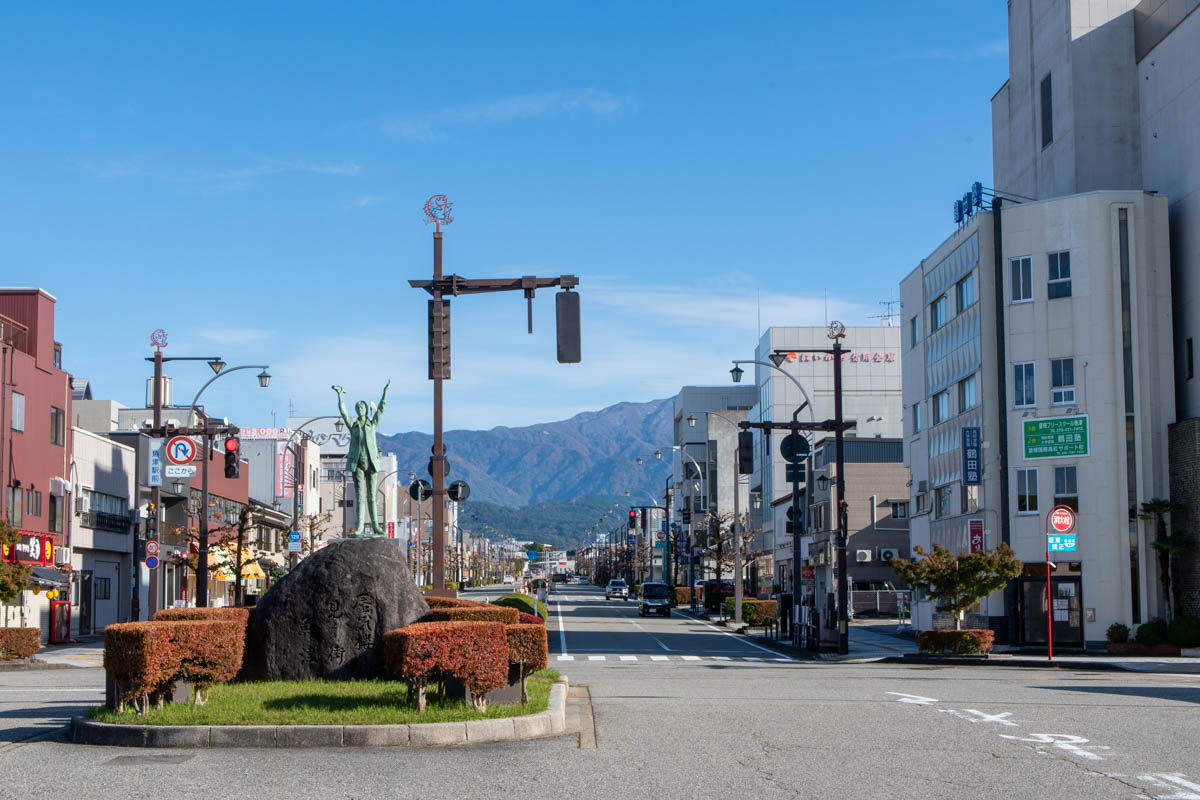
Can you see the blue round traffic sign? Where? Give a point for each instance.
(152, 562)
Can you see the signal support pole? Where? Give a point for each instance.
(437, 210)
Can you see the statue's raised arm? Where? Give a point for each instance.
(342, 405)
(382, 402)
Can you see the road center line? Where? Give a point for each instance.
(562, 633)
(638, 625)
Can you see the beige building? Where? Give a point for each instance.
(1041, 374)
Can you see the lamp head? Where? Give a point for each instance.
(217, 365)
(778, 358)
(691, 420)
(264, 378)
(736, 373)
(639, 461)
(823, 482)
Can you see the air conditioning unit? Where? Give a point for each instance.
(862, 555)
(888, 553)
(62, 555)
(59, 487)
(80, 505)
(922, 487)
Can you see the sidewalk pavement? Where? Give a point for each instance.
(87, 652)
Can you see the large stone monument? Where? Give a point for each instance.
(326, 618)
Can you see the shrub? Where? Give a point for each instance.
(529, 649)
(754, 612)
(1152, 633)
(484, 613)
(451, 602)
(474, 652)
(683, 595)
(19, 642)
(181, 614)
(529, 619)
(1184, 631)
(964, 642)
(524, 602)
(1117, 632)
(146, 658)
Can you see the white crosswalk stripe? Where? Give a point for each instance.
(595, 658)
(566, 658)
(658, 658)
(629, 658)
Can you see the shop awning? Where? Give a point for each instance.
(48, 578)
(224, 566)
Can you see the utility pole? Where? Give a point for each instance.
(437, 210)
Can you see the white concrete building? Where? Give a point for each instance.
(1064, 398)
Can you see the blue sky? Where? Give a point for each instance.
(250, 177)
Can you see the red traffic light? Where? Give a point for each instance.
(632, 514)
(231, 445)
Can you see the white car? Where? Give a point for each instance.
(509, 579)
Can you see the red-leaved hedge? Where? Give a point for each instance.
(451, 602)
(529, 649)
(474, 652)
(482, 613)
(19, 642)
(964, 642)
(241, 615)
(529, 619)
(146, 658)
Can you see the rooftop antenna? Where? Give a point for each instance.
(889, 312)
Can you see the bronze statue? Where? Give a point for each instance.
(363, 459)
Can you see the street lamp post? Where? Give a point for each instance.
(264, 379)
(296, 460)
(691, 520)
(738, 592)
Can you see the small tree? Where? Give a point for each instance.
(13, 577)
(958, 582)
(1167, 545)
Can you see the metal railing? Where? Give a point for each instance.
(13, 333)
(98, 520)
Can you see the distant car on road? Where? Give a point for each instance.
(616, 588)
(509, 579)
(559, 577)
(655, 598)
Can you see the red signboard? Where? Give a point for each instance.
(391, 530)
(807, 572)
(976, 529)
(1062, 519)
(31, 548)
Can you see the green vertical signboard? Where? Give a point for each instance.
(1056, 437)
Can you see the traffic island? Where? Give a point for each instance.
(550, 722)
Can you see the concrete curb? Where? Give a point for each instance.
(551, 722)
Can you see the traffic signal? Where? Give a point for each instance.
(687, 516)
(566, 315)
(745, 452)
(439, 339)
(231, 457)
(633, 519)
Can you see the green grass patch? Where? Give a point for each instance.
(320, 702)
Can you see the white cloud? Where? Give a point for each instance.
(432, 125)
(368, 200)
(227, 179)
(976, 52)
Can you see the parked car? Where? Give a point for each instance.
(559, 577)
(655, 598)
(616, 588)
(509, 579)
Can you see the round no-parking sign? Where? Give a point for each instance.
(152, 562)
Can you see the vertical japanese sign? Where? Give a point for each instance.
(971, 471)
(155, 473)
(283, 470)
(975, 527)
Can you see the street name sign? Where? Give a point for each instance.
(155, 476)
(177, 471)
(1055, 437)
(293, 541)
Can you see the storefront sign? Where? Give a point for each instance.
(877, 357)
(284, 478)
(1059, 543)
(31, 548)
(807, 572)
(1057, 437)
(975, 527)
(156, 463)
(972, 473)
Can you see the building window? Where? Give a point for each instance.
(1047, 113)
(1062, 381)
(1021, 270)
(970, 499)
(55, 523)
(941, 407)
(914, 330)
(941, 502)
(58, 355)
(58, 426)
(968, 395)
(1023, 382)
(101, 589)
(33, 503)
(18, 411)
(14, 502)
(1066, 488)
(899, 510)
(916, 417)
(937, 313)
(1027, 491)
(1059, 274)
(964, 293)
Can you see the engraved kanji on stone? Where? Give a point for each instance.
(336, 653)
(305, 627)
(364, 636)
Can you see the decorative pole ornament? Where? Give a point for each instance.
(158, 339)
(437, 211)
(837, 330)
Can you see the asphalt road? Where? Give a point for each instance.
(681, 709)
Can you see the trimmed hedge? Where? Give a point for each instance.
(474, 652)
(19, 642)
(524, 602)
(507, 616)
(1184, 631)
(529, 649)
(964, 642)
(1152, 633)
(754, 612)
(1118, 632)
(146, 658)
(529, 619)
(451, 602)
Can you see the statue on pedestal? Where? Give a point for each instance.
(362, 461)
